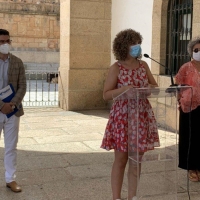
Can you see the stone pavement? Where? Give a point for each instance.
(59, 159)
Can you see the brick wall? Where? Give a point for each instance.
(34, 27)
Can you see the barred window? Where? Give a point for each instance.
(179, 33)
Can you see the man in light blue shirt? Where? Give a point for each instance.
(11, 73)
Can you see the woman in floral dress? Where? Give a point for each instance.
(128, 72)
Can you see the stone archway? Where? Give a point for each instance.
(159, 23)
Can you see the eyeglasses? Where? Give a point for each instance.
(5, 41)
(196, 50)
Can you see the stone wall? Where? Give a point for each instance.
(32, 1)
(196, 18)
(34, 27)
(85, 53)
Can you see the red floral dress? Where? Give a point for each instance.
(116, 133)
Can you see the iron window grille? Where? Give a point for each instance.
(179, 33)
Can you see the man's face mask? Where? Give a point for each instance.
(135, 50)
(5, 48)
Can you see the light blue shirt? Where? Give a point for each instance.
(4, 73)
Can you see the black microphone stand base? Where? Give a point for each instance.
(171, 88)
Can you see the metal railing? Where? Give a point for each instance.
(42, 89)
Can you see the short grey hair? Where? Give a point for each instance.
(192, 43)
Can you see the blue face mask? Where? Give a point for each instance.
(135, 51)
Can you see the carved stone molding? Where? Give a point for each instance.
(30, 8)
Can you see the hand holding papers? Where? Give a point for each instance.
(6, 95)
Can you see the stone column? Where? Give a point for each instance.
(156, 35)
(85, 50)
(196, 19)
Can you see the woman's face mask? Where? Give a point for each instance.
(196, 54)
(135, 50)
(4, 48)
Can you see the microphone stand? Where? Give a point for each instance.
(170, 89)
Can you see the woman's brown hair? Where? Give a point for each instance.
(122, 42)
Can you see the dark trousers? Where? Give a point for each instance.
(189, 140)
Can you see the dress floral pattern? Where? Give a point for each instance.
(116, 133)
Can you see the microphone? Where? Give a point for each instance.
(171, 76)
(169, 90)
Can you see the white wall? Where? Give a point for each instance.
(135, 14)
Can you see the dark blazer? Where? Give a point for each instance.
(16, 77)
